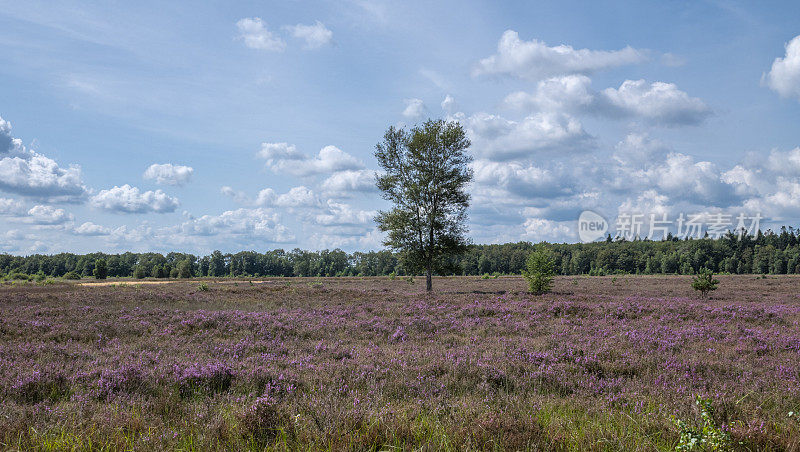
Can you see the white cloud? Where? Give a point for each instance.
(498, 138)
(343, 184)
(284, 158)
(415, 108)
(639, 150)
(534, 60)
(315, 36)
(26, 172)
(784, 76)
(169, 174)
(250, 223)
(127, 199)
(9, 206)
(47, 215)
(542, 229)
(520, 181)
(565, 93)
(659, 102)
(339, 214)
(90, 229)
(253, 31)
(295, 197)
(448, 104)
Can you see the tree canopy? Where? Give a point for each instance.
(426, 172)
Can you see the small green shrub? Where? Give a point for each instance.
(203, 287)
(392, 276)
(706, 436)
(704, 282)
(410, 279)
(539, 271)
(72, 275)
(486, 276)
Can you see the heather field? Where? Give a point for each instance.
(602, 363)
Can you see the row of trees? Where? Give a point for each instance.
(764, 253)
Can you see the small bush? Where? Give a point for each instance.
(392, 276)
(264, 419)
(706, 436)
(539, 271)
(486, 276)
(72, 275)
(704, 282)
(203, 287)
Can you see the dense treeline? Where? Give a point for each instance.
(770, 252)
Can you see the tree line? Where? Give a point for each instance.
(764, 253)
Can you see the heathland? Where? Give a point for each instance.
(601, 363)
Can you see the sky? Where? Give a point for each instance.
(195, 126)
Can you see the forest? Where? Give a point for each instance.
(763, 253)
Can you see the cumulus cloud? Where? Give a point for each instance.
(784, 76)
(295, 197)
(534, 60)
(565, 93)
(26, 172)
(343, 184)
(47, 215)
(284, 158)
(90, 229)
(127, 199)
(253, 31)
(9, 206)
(258, 223)
(448, 104)
(415, 108)
(659, 102)
(542, 229)
(522, 181)
(639, 150)
(339, 214)
(169, 174)
(498, 138)
(315, 35)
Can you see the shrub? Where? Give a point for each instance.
(139, 272)
(539, 271)
(705, 436)
(264, 419)
(72, 275)
(203, 287)
(704, 282)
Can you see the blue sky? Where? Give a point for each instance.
(251, 125)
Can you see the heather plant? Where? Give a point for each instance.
(704, 282)
(539, 271)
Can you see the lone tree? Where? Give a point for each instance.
(426, 174)
(539, 271)
(704, 282)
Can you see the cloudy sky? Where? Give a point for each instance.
(196, 126)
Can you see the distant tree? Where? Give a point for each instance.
(704, 282)
(426, 174)
(139, 272)
(539, 271)
(185, 269)
(100, 269)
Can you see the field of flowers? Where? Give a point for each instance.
(602, 363)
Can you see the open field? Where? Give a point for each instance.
(602, 363)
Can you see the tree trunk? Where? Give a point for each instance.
(428, 280)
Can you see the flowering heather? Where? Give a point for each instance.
(600, 363)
